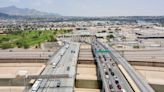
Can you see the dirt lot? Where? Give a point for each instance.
(154, 75)
(11, 89)
(10, 70)
(86, 90)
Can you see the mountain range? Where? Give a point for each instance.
(15, 11)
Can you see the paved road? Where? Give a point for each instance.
(68, 60)
(108, 63)
(25, 55)
(140, 82)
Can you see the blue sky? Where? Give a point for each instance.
(92, 7)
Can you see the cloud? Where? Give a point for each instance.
(15, 1)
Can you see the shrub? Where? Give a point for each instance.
(6, 46)
(136, 47)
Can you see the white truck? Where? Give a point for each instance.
(56, 60)
(36, 85)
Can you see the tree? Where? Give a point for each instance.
(136, 47)
(110, 36)
(110, 32)
(26, 46)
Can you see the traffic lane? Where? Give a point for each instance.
(103, 76)
(122, 81)
(118, 73)
(107, 70)
(102, 72)
(64, 85)
(110, 76)
(49, 83)
(103, 66)
(66, 62)
(124, 84)
(62, 89)
(67, 83)
(52, 60)
(45, 83)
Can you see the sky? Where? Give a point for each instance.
(92, 7)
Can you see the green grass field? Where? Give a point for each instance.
(28, 38)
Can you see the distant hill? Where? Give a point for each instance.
(13, 10)
(4, 16)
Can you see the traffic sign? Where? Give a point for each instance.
(102, 51)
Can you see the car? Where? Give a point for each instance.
(106, 73)
(107, 76)
(111, 88)
(123, 90)
(109, 69)
(58, 83)
(104, 57)
(68, 68)
(115, 77)
(72, 51)
(105, 69)
(119, 86)
(112, 73)
(53, 65)
(113, 64)
(103, 65)
(116, 80)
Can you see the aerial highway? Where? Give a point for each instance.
(136, 81)
(63, 62)
(112, 78)
(68, 66)
(116, 74)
